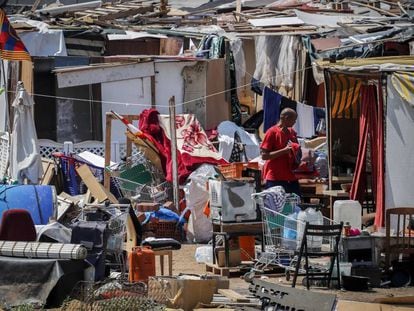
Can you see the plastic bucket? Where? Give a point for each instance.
(247, 248)
(38, 200)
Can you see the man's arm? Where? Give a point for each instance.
(270, 155)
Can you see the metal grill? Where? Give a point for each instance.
(110, 295)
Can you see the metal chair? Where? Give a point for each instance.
(331, 232)
(402, 243)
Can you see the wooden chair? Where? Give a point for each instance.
(403, 240)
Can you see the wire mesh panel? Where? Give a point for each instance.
(4, 153)
(110, 295)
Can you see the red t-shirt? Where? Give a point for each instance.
(281, 167)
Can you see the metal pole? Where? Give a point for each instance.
(174, 152)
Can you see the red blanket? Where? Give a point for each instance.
(191, 141)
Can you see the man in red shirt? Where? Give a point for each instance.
(278, 149)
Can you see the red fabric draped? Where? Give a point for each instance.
(149, 124)
(371, 126)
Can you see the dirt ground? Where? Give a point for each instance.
(184, 262)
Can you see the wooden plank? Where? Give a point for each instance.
(63, 205)
(48, 171)
(98, 191)
(238, 9)
(107, 10)
(232, 295)
(396, 300)
(131, 240)
(108, 139)
(100, 74)
(126, 13)
(74, 200)
(27, 76)
(86, 12)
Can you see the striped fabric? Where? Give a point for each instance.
(11, 47)
(403, 83)
(344, 95)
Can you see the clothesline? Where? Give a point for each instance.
(148, 105)
(308, 116)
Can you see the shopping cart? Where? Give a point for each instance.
(282, 235)
(115, 216)
(138, 179)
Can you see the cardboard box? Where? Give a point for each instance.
(234, 257)
(222, 282)
(184, 292)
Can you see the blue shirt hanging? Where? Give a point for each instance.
(271, 107)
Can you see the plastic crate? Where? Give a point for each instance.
(235, 170)
(163, 229)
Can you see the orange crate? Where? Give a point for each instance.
(235, 170)
(163, 229)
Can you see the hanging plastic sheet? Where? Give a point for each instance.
(275, 64)
(200, 228)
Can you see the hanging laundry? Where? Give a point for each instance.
(319, 115)
(254, 121)
(227, 132)
(271, 107)
(256, 86)
(274, 62)
(305, 123)
(287, 103)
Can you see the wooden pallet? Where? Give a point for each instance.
(231, 302)
(119, 10)
(228, 271)
(241, 270)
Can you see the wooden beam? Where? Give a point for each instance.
(375, 9)
(405, 300)
(86, 75)
(108, 143)
(27, 76)
(98, 191)
(233, 296)
(238, 9)
(108, 132)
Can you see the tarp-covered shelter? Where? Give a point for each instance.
(370, 120)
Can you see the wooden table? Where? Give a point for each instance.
(230, 230)
(163, 253)
(336, 194)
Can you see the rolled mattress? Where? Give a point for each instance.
(42, 250)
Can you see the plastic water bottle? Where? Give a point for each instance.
(321, 165)
(314, 217)
(289, 231)
(204, 254)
